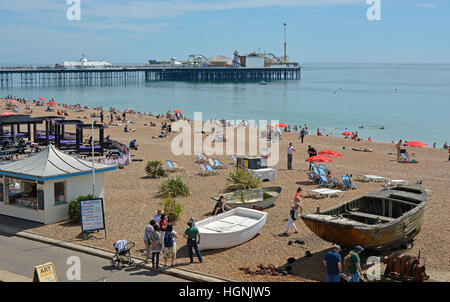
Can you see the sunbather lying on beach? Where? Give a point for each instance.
(362, 149)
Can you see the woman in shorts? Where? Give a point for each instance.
(170, 251)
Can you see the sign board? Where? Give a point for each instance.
(92, 215)
(45, 273)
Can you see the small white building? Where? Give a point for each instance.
(85, 63)
(40, 187)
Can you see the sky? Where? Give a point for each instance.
(134, 31)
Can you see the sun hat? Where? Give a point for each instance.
(337, 247)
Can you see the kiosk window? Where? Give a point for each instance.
(60, 192)
(22, 193)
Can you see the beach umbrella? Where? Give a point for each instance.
(6, 113)
(178, 111)
(52, 103)
(347, 133)
(42, 99)
(278, 125)
(415, 144)
(330, 153)
(12, 101)
(318, 159)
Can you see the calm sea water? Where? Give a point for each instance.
(365, 95)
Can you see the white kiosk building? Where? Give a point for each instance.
(40, 187)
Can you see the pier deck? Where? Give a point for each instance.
(124, 74)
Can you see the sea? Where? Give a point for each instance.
(410, 101)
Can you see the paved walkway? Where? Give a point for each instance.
(20, 256)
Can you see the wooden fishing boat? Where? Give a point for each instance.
(384, 219)
(258, 198)
(230, 228)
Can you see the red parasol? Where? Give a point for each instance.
(51, 103)
(6, 113)
(330, 153)
(178, 111)
(42, 99)
(318, 159)
(347, 133)
(278, 125)
(415, 144)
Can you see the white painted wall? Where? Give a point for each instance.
(19, 212)
(75, 187)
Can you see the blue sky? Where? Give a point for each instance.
(319, 31)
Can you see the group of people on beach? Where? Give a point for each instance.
(160, 239)
(332, 260)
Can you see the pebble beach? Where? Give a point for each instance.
(131, 200)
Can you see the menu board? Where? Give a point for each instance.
(92, 215)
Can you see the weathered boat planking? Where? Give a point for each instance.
(380, 220)
(260, 197)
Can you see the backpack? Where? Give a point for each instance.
(348, 261)
(168, 239)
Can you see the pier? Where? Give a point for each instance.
(46, 76)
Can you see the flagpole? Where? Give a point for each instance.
(93, 170)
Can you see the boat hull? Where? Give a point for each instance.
(381, 236)
(211, 241)
(265, 203)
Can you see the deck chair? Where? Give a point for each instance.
(218, 163)
(336, 183)
(205, 171)
(313, 177)
(406, 159)
(323, 181)
(348, 182)
(200, 158)
(177, 166)
(210, 169)
(170, 166)
(322, 171)
(316, 171)
(211, 162)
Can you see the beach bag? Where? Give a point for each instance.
(168, 239)
(348, 261)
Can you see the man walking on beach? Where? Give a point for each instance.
(302, 134)
(333, 265)
(290, 149)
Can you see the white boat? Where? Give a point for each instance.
(230, 228)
